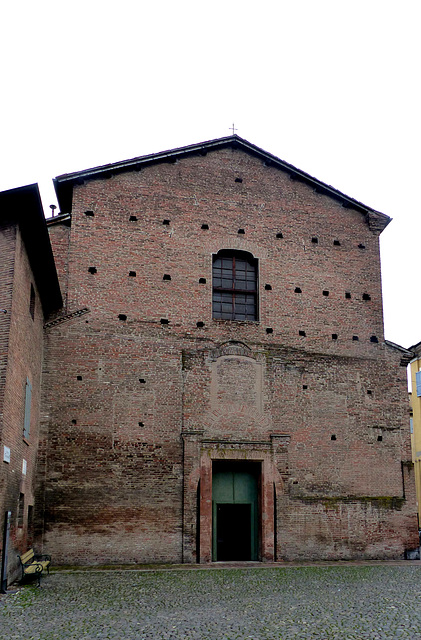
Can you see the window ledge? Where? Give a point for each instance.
(242, 322)
(26, 441)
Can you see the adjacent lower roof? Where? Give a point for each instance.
(24, 207)
(64, 183)
(416, 349)
(406, 354)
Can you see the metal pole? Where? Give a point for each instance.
(6, 532)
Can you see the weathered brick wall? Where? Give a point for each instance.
(23, 337)
(120, 387)
(7, 251)
(7, 263)
(193, 192)
(59, 231)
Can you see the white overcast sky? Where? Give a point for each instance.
(332, 87)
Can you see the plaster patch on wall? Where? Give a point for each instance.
(236, 382)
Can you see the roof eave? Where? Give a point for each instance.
(24, 206)
(406, 354)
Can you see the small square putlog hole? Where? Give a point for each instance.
(122, 316)
(166, 222)
(92, 269)
(133, 219)
(333, 437)
(269, 330)
(268, 287)
(166, 276)
(200, 324)
(315, 240)
(164, 321)
(132, 274)
(205, 226)
(202, 280)
(302, 333)
(241, 232)
(279, 235)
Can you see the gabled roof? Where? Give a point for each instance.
(24, 207)
(64, 184)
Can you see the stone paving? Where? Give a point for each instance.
(276, 603)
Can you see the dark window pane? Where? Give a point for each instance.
(233, 275)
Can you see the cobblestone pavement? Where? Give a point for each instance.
(311, 602)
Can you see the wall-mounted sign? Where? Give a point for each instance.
(6, 454)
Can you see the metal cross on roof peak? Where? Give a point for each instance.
(233, 129)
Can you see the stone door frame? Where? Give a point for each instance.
(199, 454)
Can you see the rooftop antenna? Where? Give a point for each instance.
(233, 129)
(53, 207)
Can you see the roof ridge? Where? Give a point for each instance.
(65, 182)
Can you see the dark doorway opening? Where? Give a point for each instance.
(233, 531)
(235, 510)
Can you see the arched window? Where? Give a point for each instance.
(234, 285)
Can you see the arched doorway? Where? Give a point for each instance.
(235, 510)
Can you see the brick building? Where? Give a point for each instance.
(217, 384)
(29, 292)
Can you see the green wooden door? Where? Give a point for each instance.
(235, 516)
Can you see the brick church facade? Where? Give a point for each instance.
(216, 384)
